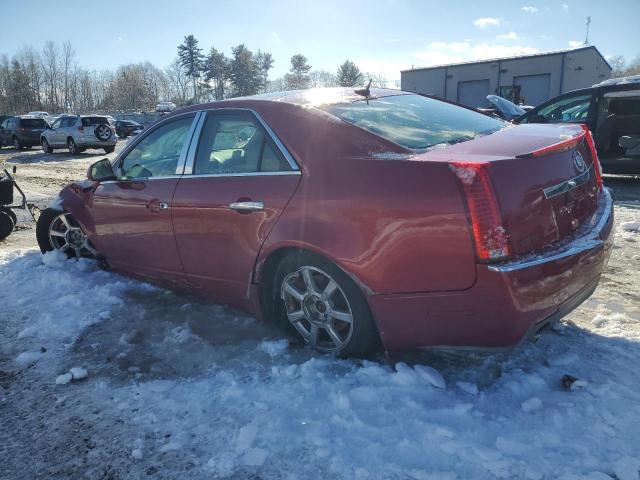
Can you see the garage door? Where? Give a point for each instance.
(473, 93)
(534, 89)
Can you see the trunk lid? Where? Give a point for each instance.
(543, 178)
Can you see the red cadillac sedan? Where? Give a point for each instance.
(354, 219)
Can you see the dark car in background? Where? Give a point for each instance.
(124, 128)
(21, 132)
(611, 109)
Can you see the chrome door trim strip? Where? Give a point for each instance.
(247, 174)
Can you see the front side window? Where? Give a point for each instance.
(566, 110)
(56, 124)
(67, 122)
(235, 143)
(158, 153)
(414, 121)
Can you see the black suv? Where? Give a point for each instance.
(21, 132)
(611, 109)
(124, 128)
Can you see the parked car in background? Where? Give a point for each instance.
(79, 132)
(351, 217)
(21, 132)
(165, 107)
(39, 114)
(125, 128)
(611, 109)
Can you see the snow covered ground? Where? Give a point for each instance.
(103, 377)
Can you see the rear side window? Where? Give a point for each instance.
(414, 121)
(235, 143)
(92, 121)
(33, 123)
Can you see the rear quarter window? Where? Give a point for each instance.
(91, 121)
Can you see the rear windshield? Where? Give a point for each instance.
(414, 121)
(89, 121)
(32, 123)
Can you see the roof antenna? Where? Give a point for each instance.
(586, 38)
(365, 92)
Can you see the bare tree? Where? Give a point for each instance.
(51, 70)
(68, 53)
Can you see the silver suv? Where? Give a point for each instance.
(79, 132)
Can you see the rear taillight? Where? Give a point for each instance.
(562, 146)
(594, 155)
(490, 237)
(22, 130)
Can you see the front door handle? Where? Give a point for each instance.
(248, 206)
(156, 206)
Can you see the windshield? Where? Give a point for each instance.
(414, 121)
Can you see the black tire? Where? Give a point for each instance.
(109, 149)
(103, 132)
(364, 338)
(73, 147)
(11, 213)
(46, 148)
(42, 229)
(6, 225)
(122, 135)
(15, 141)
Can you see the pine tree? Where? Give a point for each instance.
(265, 63)
(349, 75)
(217, 69)
(192, 60)
(244, 72)
(298, 77)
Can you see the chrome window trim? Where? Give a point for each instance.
(193, 144)
(154, 126)
(589, 241)
(248, 174)
(188, 170)
(187, 144)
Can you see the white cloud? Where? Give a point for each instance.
(437, 53)
(575, 43)
(529, 9)
(565, 7)
(485, 22)
(508, 36)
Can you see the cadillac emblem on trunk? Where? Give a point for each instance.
(578, 161)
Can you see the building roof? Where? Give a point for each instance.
(533, 55)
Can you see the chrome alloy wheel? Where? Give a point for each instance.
(66, 235)
(318, 309)
(103, 132)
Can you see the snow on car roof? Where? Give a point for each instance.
(321, 96)
(619, 81)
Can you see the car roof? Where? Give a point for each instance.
(315, 96)
(628, 80)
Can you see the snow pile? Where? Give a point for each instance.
(631, 226)
(466, 174)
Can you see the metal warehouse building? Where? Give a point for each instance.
(530, 79)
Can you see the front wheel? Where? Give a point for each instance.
(58, 230)
(46, 148)
(6, 224)
(323, 306)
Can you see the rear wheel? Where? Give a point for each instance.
(318, 301)
(58, 230)
(46, 148)
(16, 143)
(73, 146)
(6, 224)
(11, 213)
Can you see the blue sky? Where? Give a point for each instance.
(382, 36)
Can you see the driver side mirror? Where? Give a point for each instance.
(101, 171)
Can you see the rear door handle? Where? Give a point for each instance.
(248, 206)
